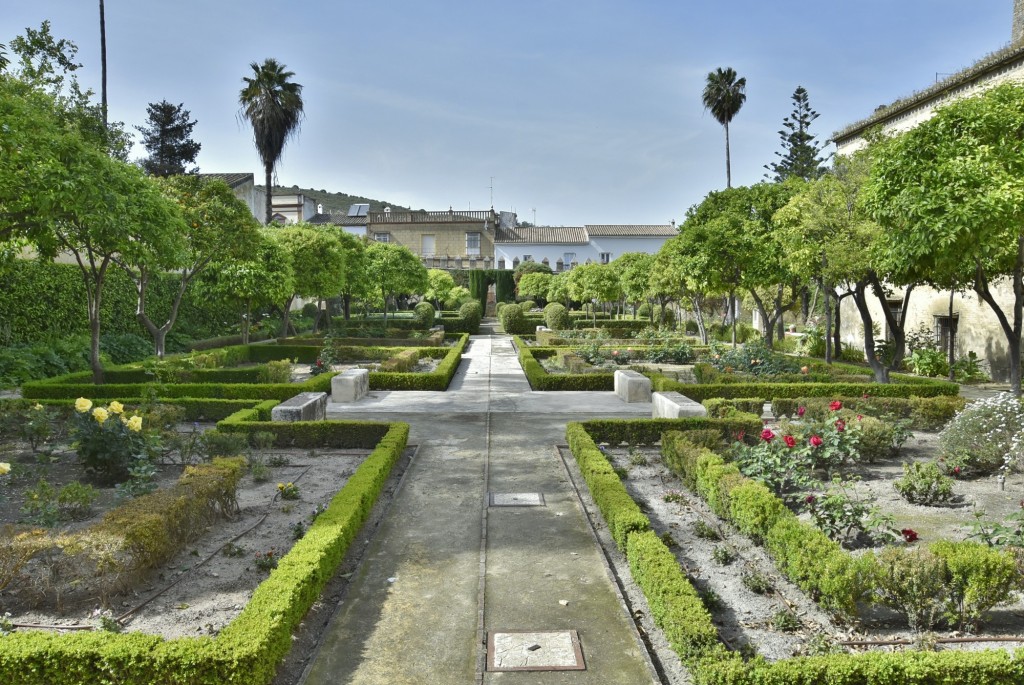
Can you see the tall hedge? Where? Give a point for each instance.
(43, 301)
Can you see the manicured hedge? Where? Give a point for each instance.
(250, 391)
(649, 431)
(542, 380)
(901, 387)
(249, 649)
(676, 608)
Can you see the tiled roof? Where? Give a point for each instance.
(979, 71)
(631, 230)
(233, 180)
(337, 220)
(543, 235)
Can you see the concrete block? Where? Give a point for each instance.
(350, 385)
(542, 329)
(673, 405)
(632, 386)
(306, 406)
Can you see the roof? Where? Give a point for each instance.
(337, 220)
(422, 216)
(631, 230)
(543, 235)
(981, 70)
(232, 179)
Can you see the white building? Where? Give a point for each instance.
(562, 247)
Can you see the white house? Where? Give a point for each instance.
(562, 247)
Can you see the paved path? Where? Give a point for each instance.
(444, 569)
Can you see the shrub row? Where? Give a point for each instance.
(438, 379)
(248, 650)
(925, 413)
(676, 608)
(248, 391)
(767, 391)
(649, 431)
(540, 379)
(337, 434)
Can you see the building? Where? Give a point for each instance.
(562, 247)
(453, 239)
(354, 221)
(972, 324)
(292, 209)
(245, 189)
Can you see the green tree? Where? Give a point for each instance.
(439, 286)
(534, 285)
(395, 271)
(355, 281)
(723, 96)
(674, 278)
(272, 104)
(167, 137)
(529, 268)
(558, 289)
(594, 283)
(318, 264)
(62, 193)
(262, 278)
(634, 270)
(951, 194)
(801, 156)
(216, 224)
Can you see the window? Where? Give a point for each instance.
(944, 329)
(527, 257)
(896, 307)
(427, 245)
(501, 262)
(382, 237)
(569, 258)
(606, 257)
(473, 244)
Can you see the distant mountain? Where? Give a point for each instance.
(337, 202)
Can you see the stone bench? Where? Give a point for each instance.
(350, 385)
(673, 405)
(306, 406)
(632, 386)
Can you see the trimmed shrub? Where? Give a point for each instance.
(513, 322)
(977, 579)
(423, 314)
(556, 317)
(527, 305)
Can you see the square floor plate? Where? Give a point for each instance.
(516, 499)
(534, 650)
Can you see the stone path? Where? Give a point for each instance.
(445, 570)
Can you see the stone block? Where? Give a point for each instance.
(542, 329)
(632, 386)
(673, 405)
(306, 406)
(350, 385)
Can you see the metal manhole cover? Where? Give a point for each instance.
(516, 499)
(526, 650)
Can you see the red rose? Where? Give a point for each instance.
(956, 470)
(810, 499)
(840, 425)
(909, 534)
(789, 440)
(767, 435)
(816, 441)
(835, 405)
(800, 411)
(865, 395)
(860, 417)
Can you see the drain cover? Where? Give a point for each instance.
(525, 650)
(516, 499)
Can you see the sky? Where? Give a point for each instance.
(569, 113)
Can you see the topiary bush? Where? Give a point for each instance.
(557, 318)
(471, 313)
(423, 314)
(527, 305)
(513, 321)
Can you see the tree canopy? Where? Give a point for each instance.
(167, 137)
(723, 96)
(395, 271)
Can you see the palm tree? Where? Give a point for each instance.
(724, 95)
(273, 105)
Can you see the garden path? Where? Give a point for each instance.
(444, 569)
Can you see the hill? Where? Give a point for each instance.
(337, 202)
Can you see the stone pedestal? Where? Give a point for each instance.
(306, 406)
(673, 405)
(632, 386)
(350, 386)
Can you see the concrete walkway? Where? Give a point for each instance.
(445, 569)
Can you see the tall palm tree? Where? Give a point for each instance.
(273, 105)
(723, 96)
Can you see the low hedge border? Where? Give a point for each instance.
(540, 379)
(249, 649)
(196, 408)
(676, 608)
(337, 434)
(925, 413)
(767, 391)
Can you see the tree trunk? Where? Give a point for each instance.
(728, 164)
(732, 315)
(805, 304)
(896, 326)
(698, 315)
(1012, 332)
(952, 337)
(769, 324)
(828, 327)
(103, 65)
(245, 322)
(880, 370)
(286, 316)
(346, 306)
(269, 169)
(837, 347)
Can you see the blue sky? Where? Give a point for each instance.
(587, 111)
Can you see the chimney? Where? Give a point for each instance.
(1018, 22)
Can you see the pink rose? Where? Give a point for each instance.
(816, 441)
(800, 411)
(789, 440)
(767, 435)
(840, 425)
(835, 405)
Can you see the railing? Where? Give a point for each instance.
(450, 216)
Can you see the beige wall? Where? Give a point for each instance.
(449, 239)
(978, 329)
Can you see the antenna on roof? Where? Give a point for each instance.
(534, 216)
(492, 193)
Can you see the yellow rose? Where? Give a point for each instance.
(83, 405)
(135, 423)
(5, 468)
(38, 407)
(100, 414)
(116, 407)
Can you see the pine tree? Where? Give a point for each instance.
(801, 156)
(168, 139)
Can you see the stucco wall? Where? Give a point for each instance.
(449, 239)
